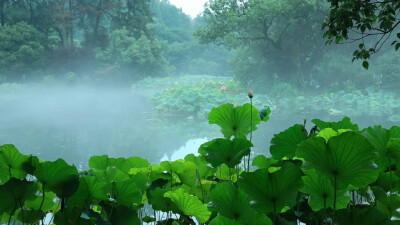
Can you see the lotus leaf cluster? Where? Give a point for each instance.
(332, 174)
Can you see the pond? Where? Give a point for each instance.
(76, 123)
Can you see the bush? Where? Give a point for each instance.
(137, 57)
(21, 50)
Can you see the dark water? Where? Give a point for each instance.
(76, 123)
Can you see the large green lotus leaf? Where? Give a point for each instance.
(321, 191)
(385, 180)
(4, 173)
(15, 192)
(366, 216)
(48, 203)
(231, 203)
(51, 174)
(201, 163)
(103, 162)
(112, 174)
(345, 123)
(201, 190)
(189, 205)
(142, 181)
(71, 216)
(224, 151)
(393, 148)
(159, 202)
(29, 216)
(127, 193)
(226, 173)
(67, 187)
(97, 188)
(285, 143)
(262, 161)
(137, 162)
(379, 138)
(79, 198)
(235, 121)
(395, 132)
(220, 220)
(13, 162)
(188, 175)
(138, 165)
(327, 133)
(122, 215)
(349, 157)
(176, 166)
(272, 190)
(386, 203)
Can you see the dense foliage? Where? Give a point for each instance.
(333, 174)
(369, 23)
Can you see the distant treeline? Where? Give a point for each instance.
(102, 39)
(260, 42)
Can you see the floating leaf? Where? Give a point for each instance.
(285, 143)
(235, 121)
(189, 205)
(348, 157)
(230, 152)
(272, 191)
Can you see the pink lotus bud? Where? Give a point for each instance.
(251, 94)
(222, 88)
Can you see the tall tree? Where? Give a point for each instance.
(286, 32)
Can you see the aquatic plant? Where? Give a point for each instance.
(332, 174)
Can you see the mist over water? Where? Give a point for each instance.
(75, 123)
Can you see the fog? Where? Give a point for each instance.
(75, 123)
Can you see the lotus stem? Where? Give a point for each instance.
(251, 131)
(390, 186)
(334, 196)
(44, 195)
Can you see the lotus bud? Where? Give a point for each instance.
(251, 94)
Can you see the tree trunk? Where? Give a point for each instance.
(2, 16)
(71, 27)
(96, 27)
(31, 12)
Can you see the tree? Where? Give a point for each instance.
(137, 57)
(369, 23)
(21, 50)
(286, 33)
